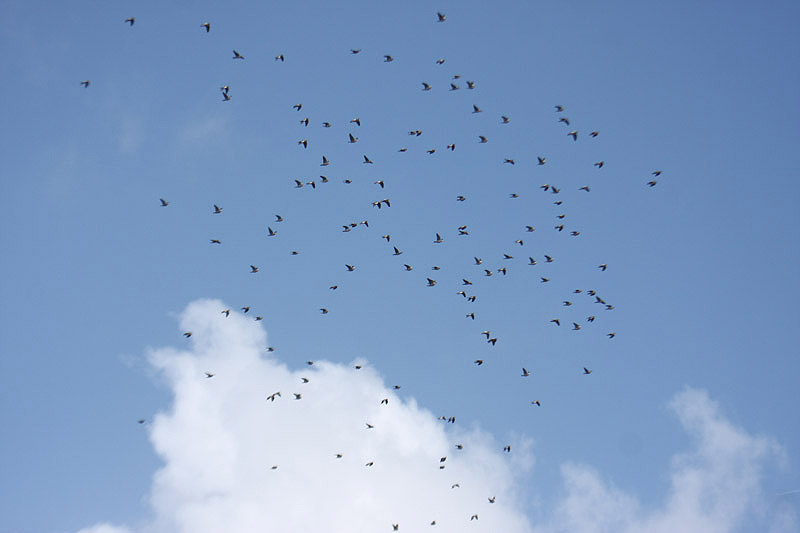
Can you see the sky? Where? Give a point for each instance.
(682, 420)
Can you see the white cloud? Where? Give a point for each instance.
(221, 438)
(714, 488)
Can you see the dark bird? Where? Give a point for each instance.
(556, 321)
(245, 309)
(350, 268)
(297, 396)
(451, 147)
(492, 341)
(453, 87)
(652, 183)
(356, 121)
(611, 335)
(385, 401)
(595, 133)
(323, 311)
(565, 120)
(478, 362)
(590, 318)
(536, 402)
(530, 228)
(85, 83)
(207, 26)
(130, 20)
(440, 61)
(367, 160)
(187, 334)
(600, 164)
(352, 140)
(278, 218)
(575, 326)
(355, 50)
(387, 59)
(482, 139)
(217, 209)
(304, 142)
(216, 241)
(298, 184)
(439, 239)
(396, 251)
(304, 122)
(586, 370)
(325, 162)
(504, 119)
(164, 203)
(656, 173)
(209, 375)
(509, 161)
(237, 55)
(280, 58)
(544, 280)
(525, 373)
(584, 188)
(470, 315)
(548, 259)
(470, 84)
(531, 261)
(476, 109)
(602, 267)
(297, 107)
(441, 17)
(542, 160)
(226, 312)
(574, 135)
(253, 269)
(492, 499)
(426, 86)
(326, 124)
(431, 282)
(408, 268)
(559, 108)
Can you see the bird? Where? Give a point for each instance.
(215, 241)
(482, 139)
(278, 218)
(440, 61)
(367, 160)
(574, 135)
(385, 401)
(187, 334)
(504, 119)
(209, 375)
(130, 20)
(544, 280)
(245, 308)
(85, 83)
(426, 86)
(525, 373)
(492, 499)
(536, 402)
(237, 55)
(451, 147)
(280, 58)
(611, 335)
(492, 341)
(395, 527)
(326, 124)
(207, 26)
(470, 84)
(304, 142)
(530, 229)
(556, 321)
(602, 267)
(369, 426)
(271, 232)
(439, 239)
(323, 311)
(325, 161)
(298, 184)
(441, 17)
(473, 517)
(542, 160)
(388, 59)
(575, 326)
(656, 173)
(600, 164)
(350, 268)
(431, 282)
(352, 140)
(652, 183)
(226, 312)
(355, 50)
(164, 203)
(476, 109)
(586, 370)
(253, 269)
(559, 108)
(356, 121)
(479, 362)
(304, 380)
(453, 87)
(509, 161)
(217, 209)
(297, 396)
(531, 261)
(565, 120)
(594, 133)
(470, 315)
(548, 259)
(297, 107)
(397, 251)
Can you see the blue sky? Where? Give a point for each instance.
(98, 277)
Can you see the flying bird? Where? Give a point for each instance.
(441, 17)
(253, 269)
(237, 55)
(217, 209)
(164, 203)
(85, 83)
(525, 373)
(207, 26)
(130, 20)
(586, 370)
(426, 86)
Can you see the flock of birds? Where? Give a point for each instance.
(479, 267)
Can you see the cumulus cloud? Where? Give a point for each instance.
(714, 488)
(236, 461)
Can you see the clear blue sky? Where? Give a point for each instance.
(702, 267)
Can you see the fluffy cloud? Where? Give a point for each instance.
(235, 461)
(714, 488)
